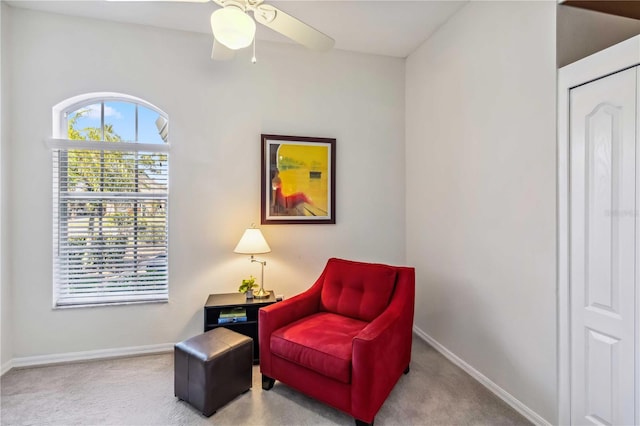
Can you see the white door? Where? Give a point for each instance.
(602, 250)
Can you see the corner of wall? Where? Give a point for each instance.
(6, 332)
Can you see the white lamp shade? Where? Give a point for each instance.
(232, 27)
(252, 242)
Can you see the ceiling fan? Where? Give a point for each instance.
(234, 29)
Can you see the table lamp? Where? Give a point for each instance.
(253, 242)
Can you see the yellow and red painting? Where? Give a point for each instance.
(298, 180)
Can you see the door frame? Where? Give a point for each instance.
(601, 64)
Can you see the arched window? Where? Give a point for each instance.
(110, 188)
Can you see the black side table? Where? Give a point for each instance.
(218, 302)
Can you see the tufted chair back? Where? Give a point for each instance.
(357, 290)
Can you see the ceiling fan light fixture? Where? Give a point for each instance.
(233, 27)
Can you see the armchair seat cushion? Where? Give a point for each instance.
(322, 342)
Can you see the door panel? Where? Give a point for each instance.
(603, 156)
(602, 249)
(600, 381)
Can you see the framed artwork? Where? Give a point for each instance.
(298, 180)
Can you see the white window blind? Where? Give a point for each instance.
(110, 222)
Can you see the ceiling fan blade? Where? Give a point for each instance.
(292, 28)
(220, 52)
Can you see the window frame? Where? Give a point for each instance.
(60, 143)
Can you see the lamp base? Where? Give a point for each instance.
(261, 294)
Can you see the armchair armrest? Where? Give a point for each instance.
(277, 315)
(375, 369)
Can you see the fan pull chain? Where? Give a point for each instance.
(253, 58)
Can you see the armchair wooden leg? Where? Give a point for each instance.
(267, 382)
(406, 370)
(361, 423)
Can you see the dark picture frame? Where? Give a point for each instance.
(298, 183)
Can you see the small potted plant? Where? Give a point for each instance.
(247, 286)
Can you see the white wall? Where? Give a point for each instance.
(217, 112)
(6, 348)
(480, 103)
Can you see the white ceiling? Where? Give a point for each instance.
(392, 28)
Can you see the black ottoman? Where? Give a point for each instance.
(213, 368)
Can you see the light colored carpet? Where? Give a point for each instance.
(139, 391)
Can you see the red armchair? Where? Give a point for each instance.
(346, 340)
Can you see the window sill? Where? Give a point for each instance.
(94, 305)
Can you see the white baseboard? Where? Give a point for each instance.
(40, 360)
(531, 415)
(6, 367)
